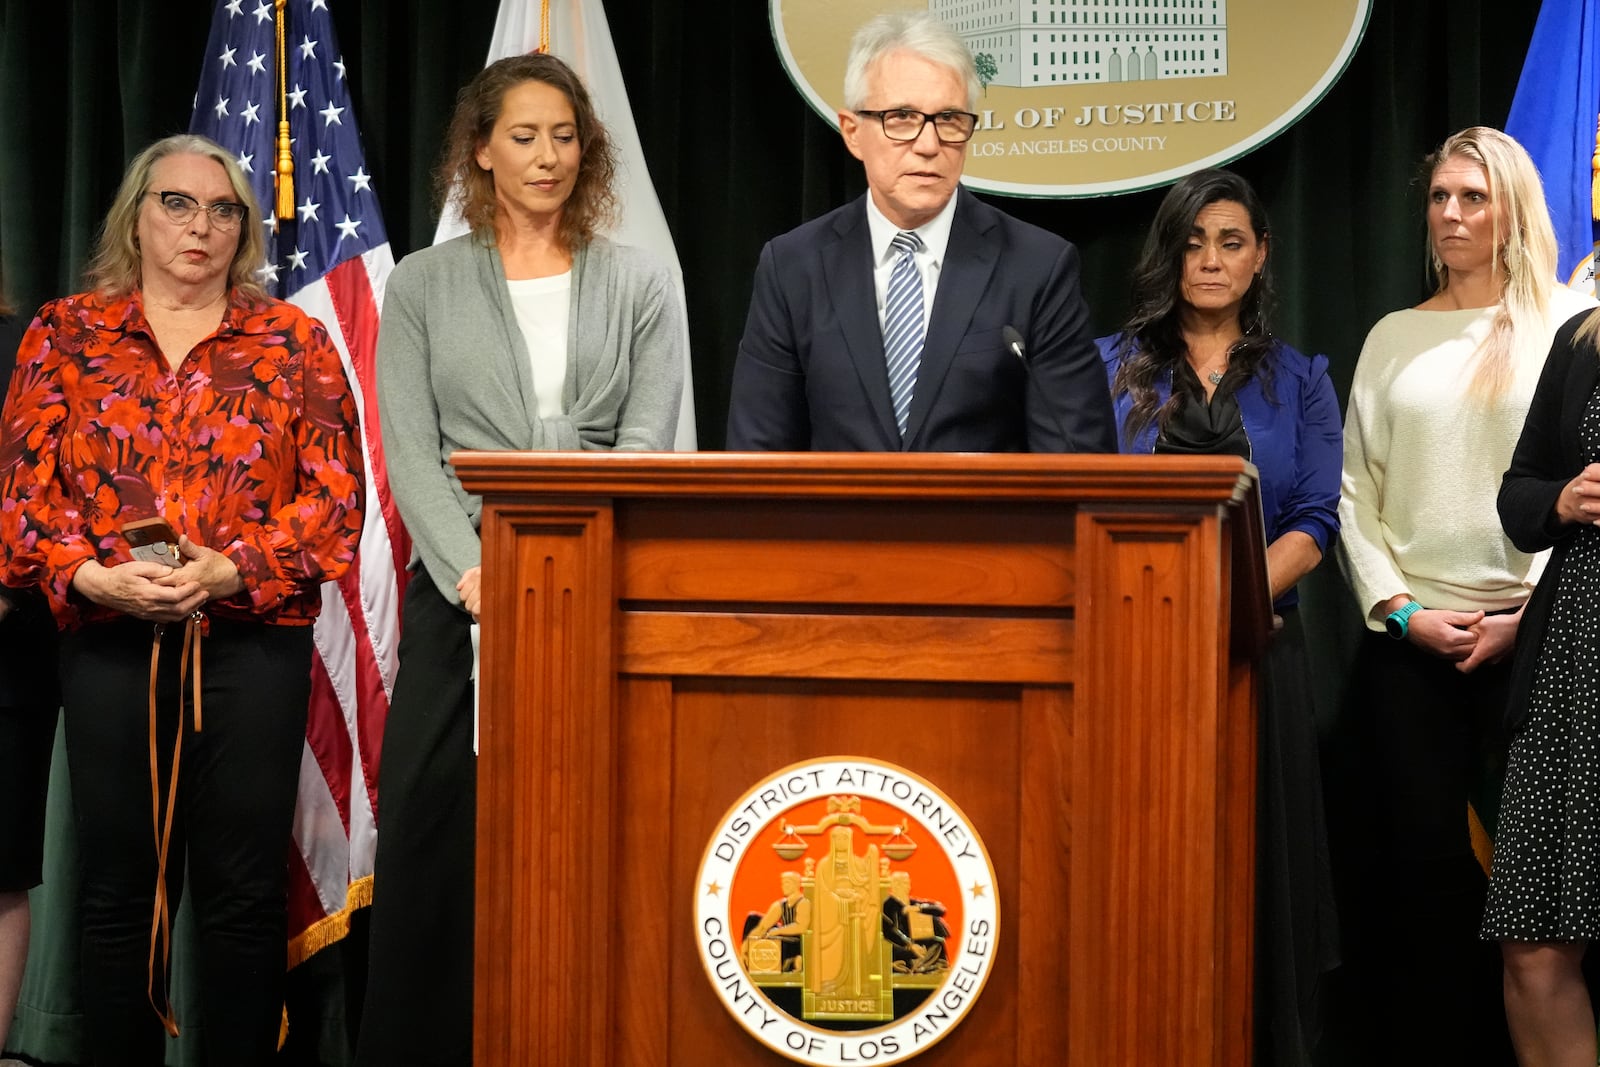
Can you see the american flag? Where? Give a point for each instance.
(332, 260)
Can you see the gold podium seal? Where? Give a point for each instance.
(846, 912)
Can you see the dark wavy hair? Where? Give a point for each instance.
(593, 204)
(1151, 344)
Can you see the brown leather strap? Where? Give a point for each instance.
(161, 920)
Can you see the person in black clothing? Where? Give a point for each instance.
(28, 705)
(913, 954)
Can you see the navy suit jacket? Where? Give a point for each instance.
(811, 375)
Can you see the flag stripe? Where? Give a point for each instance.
(351, 287)
(332, 259)
(327, 739)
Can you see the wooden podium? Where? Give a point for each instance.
(1073, 637)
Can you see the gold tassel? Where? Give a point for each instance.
(285, 170)
(544, 30)
(1594, 165)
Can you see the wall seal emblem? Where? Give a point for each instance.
(1087, 97)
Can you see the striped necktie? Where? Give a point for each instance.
(902, 325)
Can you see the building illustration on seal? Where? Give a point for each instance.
(1025, 43)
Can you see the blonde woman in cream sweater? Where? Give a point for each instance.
(1437, 403)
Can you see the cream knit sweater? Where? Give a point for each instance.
(1423, 462)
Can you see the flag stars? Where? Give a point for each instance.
(257, 63)
(221, 107)
(246, 161)
(308, 48)
(347, 228)
(319, 163)
(268, 274)
(330, 115)
(235, 7)
(227, 58)
(308, 211)
(263, 12)
(297, 97)
(361, 180)
(319, 5)
(338, 65)
(249, 114)
(297, 260)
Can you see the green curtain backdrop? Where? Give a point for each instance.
(736, 157)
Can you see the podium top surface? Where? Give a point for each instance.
(1070, 479)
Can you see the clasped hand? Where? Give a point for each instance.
(158, 593)
(1468, 638)
(1580, 500)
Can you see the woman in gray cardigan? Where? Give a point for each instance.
(531, 332)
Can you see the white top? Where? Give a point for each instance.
(1423, 463)
(935, 235)
(541, 306)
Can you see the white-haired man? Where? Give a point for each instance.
(884, 325)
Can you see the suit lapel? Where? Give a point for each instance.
(847, 273)
(969, 260)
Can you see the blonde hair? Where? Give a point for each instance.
(1525, 250)
(116, 267)
(1589, 330)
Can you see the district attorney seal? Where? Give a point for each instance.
(846, 912)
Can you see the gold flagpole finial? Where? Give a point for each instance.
(285, 171)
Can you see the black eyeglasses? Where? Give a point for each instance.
(181, 207)
(903, 124)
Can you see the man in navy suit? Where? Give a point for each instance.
(879, 326)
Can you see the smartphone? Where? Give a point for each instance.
(152, 541)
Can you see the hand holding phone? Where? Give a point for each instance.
(152, 541)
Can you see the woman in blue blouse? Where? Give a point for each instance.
(1196, 370)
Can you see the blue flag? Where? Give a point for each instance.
(1554, 116)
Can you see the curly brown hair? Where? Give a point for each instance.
(593, 204)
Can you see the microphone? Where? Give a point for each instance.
(1014, 345)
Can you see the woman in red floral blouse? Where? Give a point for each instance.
(176, 389)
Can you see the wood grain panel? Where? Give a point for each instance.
(1159, 902)
(1045, 819)
(536, 773)
(729, 734)
(887, 647)
(641, 992)
(836, 553)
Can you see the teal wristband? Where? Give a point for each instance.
(1399, 620)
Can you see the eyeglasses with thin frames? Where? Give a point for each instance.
(904, 124)
(181, 207)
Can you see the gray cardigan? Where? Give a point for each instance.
(454, 373)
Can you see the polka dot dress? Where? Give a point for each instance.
(1546, 880)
